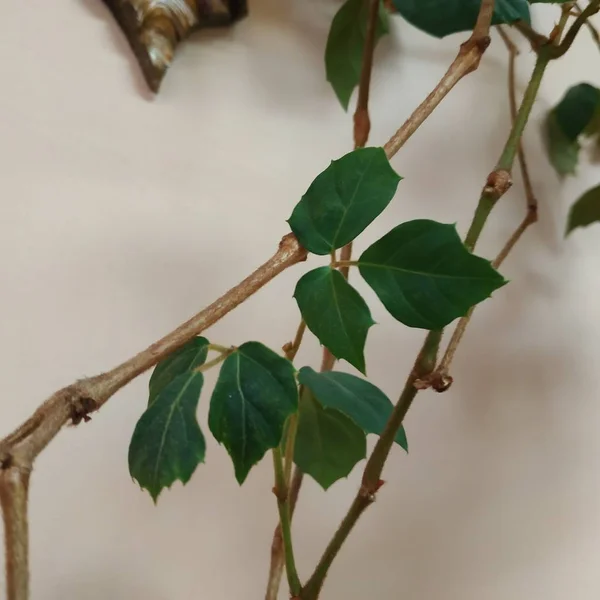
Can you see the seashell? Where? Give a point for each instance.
(154, 28)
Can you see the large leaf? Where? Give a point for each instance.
(336, 313)
(167, 443)
(182, 361)
(425, 276)
(443, 17)
(328, 443)
(360, 400)
(576, 110)
(343, 200)
(255, 393)
(345, 46)
(562, 152)
(585, 211)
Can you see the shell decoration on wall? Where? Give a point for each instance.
(155, 28)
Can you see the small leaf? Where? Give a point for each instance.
(358, 399)
(167, 443)
(328, 443)
(344, 200)
(425, 276)
(345, 46)
(562, 152)
(184, 360)
(443, 17)
(576, 110)
(255, 393)
(336, 313)
(585, 211)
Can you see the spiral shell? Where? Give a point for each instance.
(155, 28)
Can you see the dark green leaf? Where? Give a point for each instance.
(255, 393)
(336, 313)
(167, 443)
(358, 399)
(343, 200)
(184, 360)
(345, 46)
(562, 152)
(575, 111)
(328, 443)
(585, 211)
(424, 275)
(443, 17)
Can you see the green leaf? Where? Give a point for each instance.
(182, 361)
(344, 200)
(358, 399)
(578, 107)
(425, 276)
(167, 443)
(328, 443)
(345, 46)
(255, 393)
(336, 313)
(585, 211)
(549, 1)
(562, 152)
(443, 17)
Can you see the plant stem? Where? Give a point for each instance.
(277, 552)
(593, 31)
(371, 482)
(466, 61)
(289, 448)
(519, 120)
(499, 181)
(215, 361)
(530, 199)
(283, 505)
(556, 51)
(291, 349)
(14, 491)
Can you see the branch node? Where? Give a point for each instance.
(281, 495)
(80, 409)
(441, 382)
(498, 183)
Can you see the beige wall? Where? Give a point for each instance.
(122, 215)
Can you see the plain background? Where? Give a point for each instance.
(123, 214)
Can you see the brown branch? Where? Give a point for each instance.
(76, 401)
(466, 61)
(536, 40)
(593, 31)
(556, 51)
(14, 488)
(73, 403)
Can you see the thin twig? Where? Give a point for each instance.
(277, 553)
(536, 40)
(441, 378)
(556, 51)
(593, 31)
(291, 348)
(513, 52)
